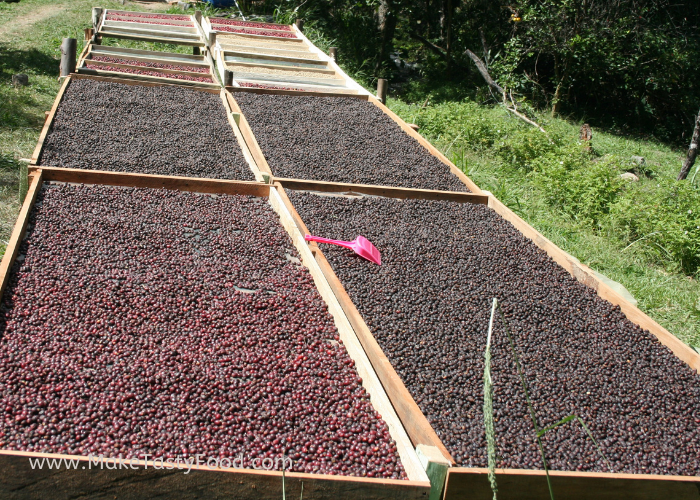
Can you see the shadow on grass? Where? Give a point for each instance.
(25, 61)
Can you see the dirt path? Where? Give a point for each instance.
(17, 24)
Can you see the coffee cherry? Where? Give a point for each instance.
(143, 321)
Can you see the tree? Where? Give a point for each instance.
(692, 151)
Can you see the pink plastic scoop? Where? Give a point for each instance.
(360, 245)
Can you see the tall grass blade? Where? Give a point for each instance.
(488, 407)
(533, 417)
(585, 428)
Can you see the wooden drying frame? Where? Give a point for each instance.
(241, 483)
(257, 151)
(463, 482)
(211, 89)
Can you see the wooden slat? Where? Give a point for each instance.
(586, 276)
(150, 53)
(249, 137)
(201, 63)
(49, 121)
(18, 232)
(386, 191)
(177, 41)
(21, 482)
(432, 149)
(216, 186)
(250, 35)
(254, 28)
(239, 137)
(149, 78)
(152, 82)
(417, 426)
(324, 70)
(148, 68)
(185, 29)
(370, 382)
(516, 484)
(314, 93)
(147, 30)
(274, 57)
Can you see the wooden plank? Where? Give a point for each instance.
(131, 12)
(149, 31)
(239, 137)
(586, 276)
(18, 231)
(152, 82)
(151, 53)
(532, 485)
(417, 426)
(324, 70)
(184, 29)
(49, 121)
(274, 57)
(385, 191)
(288, 80)
(97, 482)
(195, 184)
(432, 149)
(177, 41)
(148, 78)
(254, 28)
(314, 93)
(202, 63)
(370, 382)
(148, 68)
(251, 36)
(249, 137)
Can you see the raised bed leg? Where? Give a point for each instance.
(435, 466)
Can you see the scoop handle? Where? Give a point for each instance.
(318, 239)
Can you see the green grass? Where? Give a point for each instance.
(481, 140)
(30, 40)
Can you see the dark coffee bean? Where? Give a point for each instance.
(153, 130)
(340, 139)
(428, 306)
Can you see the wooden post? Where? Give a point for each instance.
(333, 52)
(586, 136)
(228, 78)
(692, 151)
(89, 32)
(212, 41)
(68, 52)
(96, 16)
(23, 182)
(381, 90)
(198, 16)
(196, 51)
(300, 24)
(435, 466)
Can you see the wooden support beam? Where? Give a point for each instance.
(333, 53)
(382, 88)
(96, 17)
(89, 33)
(20, 228)
(68, 56)
(435, 466)
(300, 24)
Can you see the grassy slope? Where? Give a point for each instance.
(672, 299)
(31, 32)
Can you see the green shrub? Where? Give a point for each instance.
(524, 146)
(572, 182)
(662, 217)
